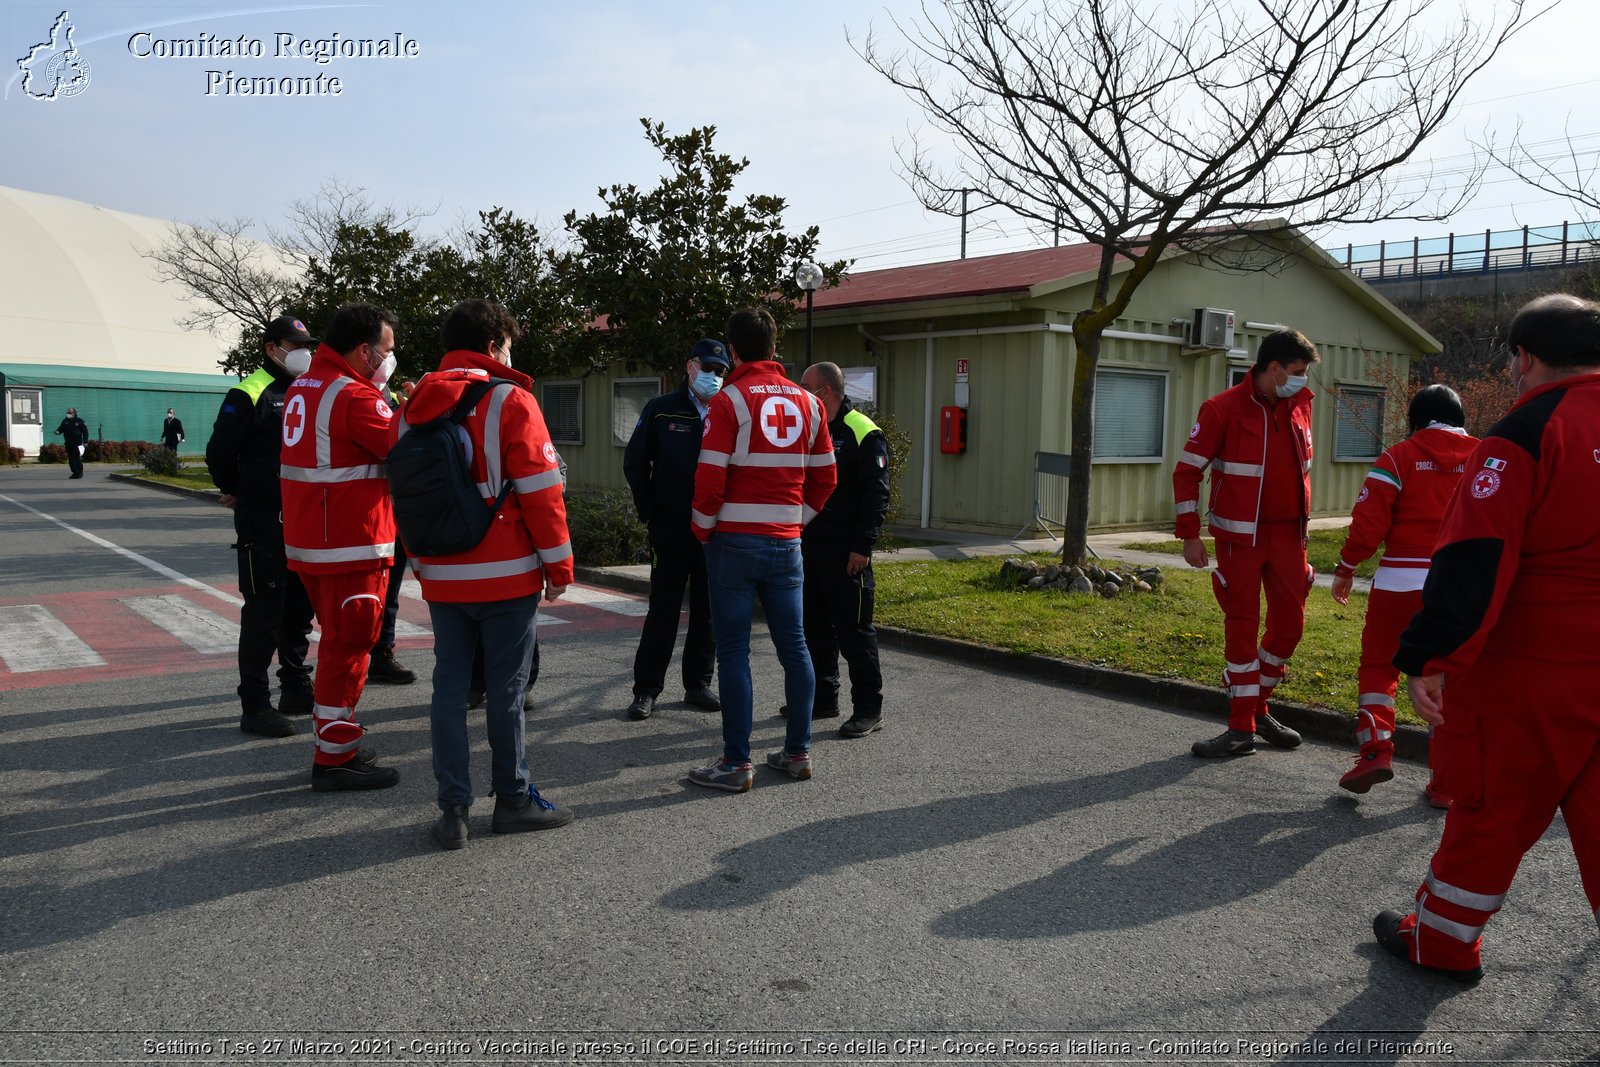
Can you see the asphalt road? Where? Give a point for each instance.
(1007, 861)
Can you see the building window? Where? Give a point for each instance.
(1358, 425)
(628, 398)
(1238, 372)
(861, 384)
(562, 403)
(1130, 416)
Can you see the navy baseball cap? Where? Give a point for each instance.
(288, 328)
(711, 354)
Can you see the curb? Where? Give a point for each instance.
(1410, 742)
(210, 495)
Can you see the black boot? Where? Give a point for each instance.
(528, 811)
(450, 832)
(388, 670)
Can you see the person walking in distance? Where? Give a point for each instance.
(171, 431)
(338, 525)
(837, 550)
(766, 469)
(242, 456)
(74, 434)
(487, 597)
(1256, 438)
(659, 464)
(1399, 507)
(1501, 658)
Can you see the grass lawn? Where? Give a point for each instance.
(188, 477)
(1322, 552)
(1174, 632)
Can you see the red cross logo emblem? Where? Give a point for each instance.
(781, 421)
(294, 420)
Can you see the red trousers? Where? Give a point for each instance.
(1520, 740)
(1256, 663)
(1388, 614)
(349, 609)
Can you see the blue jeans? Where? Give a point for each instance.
(740, 567)
(505, 628)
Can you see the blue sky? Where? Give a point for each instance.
(534, 106)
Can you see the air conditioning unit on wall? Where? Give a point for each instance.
(1211, 328)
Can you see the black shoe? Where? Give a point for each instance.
(386, 669)
(1227, 743)
(474, 698)
(266, 723)
(861, 725)
(829, 712)
(520, 814)
(295, 702)
(1386, 925)
(527, 699)
(450, 832)
(703, 698)
(359, 773)
(642, 707)
(1275, 733)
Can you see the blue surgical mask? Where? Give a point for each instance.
(1292, 385)
(706, 384)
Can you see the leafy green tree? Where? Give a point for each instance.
(658, 270)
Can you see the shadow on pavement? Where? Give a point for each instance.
(1224, 863)
(753, 872)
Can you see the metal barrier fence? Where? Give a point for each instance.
(1050, 481)
(1568, 244)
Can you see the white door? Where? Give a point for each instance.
(24, 425)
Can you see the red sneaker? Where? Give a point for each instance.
(1371, 768)
(1435, 797)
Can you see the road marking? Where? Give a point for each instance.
(32, 639)
(144, 561)
(599, 598)
(411, 591)
(204, 631)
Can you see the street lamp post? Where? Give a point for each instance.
(808, 276)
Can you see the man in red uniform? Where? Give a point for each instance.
(1256, 438)
(1501, 658)
(338, 525)
(1399, 507)
(487, 598)
(766, 468)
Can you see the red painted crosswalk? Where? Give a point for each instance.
(106, 635)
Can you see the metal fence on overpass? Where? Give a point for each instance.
(1563, 245)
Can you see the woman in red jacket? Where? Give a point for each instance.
(1399, 506)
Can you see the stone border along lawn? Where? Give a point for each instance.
(1175, 631)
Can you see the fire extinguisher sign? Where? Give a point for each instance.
(961, 370)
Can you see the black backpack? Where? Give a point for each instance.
(437, 505)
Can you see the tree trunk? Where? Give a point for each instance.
(1086, 358)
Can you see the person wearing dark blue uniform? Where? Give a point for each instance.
(242, 456)
(660, 465)
(837, 550)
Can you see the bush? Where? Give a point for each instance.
(606, 532)
(52, 453)
(117, 451)
(158, 460)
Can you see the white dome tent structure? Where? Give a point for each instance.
(86, 323)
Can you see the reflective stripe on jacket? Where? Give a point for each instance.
(528, 545)
(336, 510)
(1231, 437)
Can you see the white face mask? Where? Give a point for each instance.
(1292, 385)
(296, 362)
(380, 377)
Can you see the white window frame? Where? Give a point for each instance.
(1166, 407)
(544, 407)
(1242, 370)
(1363, 389)
(655, 386)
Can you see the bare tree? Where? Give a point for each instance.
(237, 284)
(314, 222)
(1566, 172)
(1183, 130)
